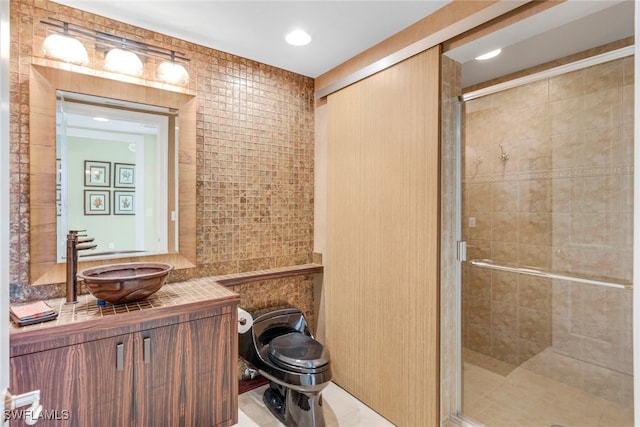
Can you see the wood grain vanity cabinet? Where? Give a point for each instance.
(70, 378)
(173, 366)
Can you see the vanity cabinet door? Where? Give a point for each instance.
(179, 374)
(184, 375)
(210, 372)
(87, 384)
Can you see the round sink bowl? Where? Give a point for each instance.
(127, 282)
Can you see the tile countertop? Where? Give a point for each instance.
(171, 294)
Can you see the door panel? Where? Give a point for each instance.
(381, 273)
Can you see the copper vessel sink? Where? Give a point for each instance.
(127, 282)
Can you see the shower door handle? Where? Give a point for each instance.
(485, 263)
(462, 251)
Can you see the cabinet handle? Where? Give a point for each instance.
(120, 357)
(147, 350)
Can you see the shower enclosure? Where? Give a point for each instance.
(547, 215)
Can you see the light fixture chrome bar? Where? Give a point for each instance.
(485, 263)
(552, 72)
(111, 40)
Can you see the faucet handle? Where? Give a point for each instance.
(86, 246)
(77, 231)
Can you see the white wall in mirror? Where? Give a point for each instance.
(113, 176)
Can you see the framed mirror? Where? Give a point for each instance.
(111, 191)
(113, 176)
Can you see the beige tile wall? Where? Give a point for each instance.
(449, 317)
(255, 142)
(562, 202)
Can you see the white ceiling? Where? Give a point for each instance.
(256, 29)
(571, 27)
(342, 29)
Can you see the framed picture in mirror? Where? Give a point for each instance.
(97, 174)
(124, 176)
(96, 202)
(124, 203)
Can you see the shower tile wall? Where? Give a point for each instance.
(563, 201)
(254, 155)
(451, 78)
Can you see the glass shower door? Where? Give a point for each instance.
(547, 190)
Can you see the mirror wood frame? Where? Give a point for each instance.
(43, 83)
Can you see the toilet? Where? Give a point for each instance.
(280, 346)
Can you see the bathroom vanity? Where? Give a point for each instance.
(168, 360)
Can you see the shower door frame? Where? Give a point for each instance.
(457, 414)
(636, 220)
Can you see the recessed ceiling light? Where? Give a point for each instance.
(489, 55)
(298, 38)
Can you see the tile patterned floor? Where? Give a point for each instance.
(495, 394)
(501, 395)
(340, 409)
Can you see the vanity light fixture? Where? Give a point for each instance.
(488, 55)
(68, 49)
(123, 61)
(298, 38)
(121, 55)
(173, 72)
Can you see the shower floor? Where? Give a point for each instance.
(548, 389)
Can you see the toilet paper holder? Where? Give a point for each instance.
(245, 321)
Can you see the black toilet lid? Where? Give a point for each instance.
(298, 350)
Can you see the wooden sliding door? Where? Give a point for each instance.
(381, 268)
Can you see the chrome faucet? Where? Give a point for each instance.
(75, 242)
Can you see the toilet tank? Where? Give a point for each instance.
(269, 323)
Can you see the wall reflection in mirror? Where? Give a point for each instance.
(114, 179)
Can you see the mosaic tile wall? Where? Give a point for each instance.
(255, 142)
(296, 291)
(563, 202)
